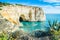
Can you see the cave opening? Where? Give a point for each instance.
(20, 19)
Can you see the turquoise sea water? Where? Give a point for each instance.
(43, 26)
(52, 17)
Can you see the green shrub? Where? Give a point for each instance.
(55, 29)
(0, 9)
(3, 36)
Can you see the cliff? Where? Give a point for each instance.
(16, 13)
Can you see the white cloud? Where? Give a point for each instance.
(51, 0)
(47, 8)
(57, 4)
(51, 10)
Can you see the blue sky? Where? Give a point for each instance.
(49, 6)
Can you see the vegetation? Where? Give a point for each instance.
(4, 4)
(3, 36)
(19, 4)
(0, 9)
(55, 29)
(8, 36)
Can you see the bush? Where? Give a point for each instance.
(3, 36)
(55, 29)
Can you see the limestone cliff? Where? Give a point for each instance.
(14, 13)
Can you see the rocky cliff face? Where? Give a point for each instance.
(14, 13)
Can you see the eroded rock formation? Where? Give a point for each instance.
(14, 13)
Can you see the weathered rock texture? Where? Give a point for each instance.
(27, 13)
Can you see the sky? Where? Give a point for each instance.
(49, 6)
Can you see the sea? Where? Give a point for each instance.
(43, 26)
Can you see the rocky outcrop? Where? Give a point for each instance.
(19, 35)
(14, 13)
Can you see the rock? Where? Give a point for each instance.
(24, 38)
(39, 34)
(3, 24)
(13, 12)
